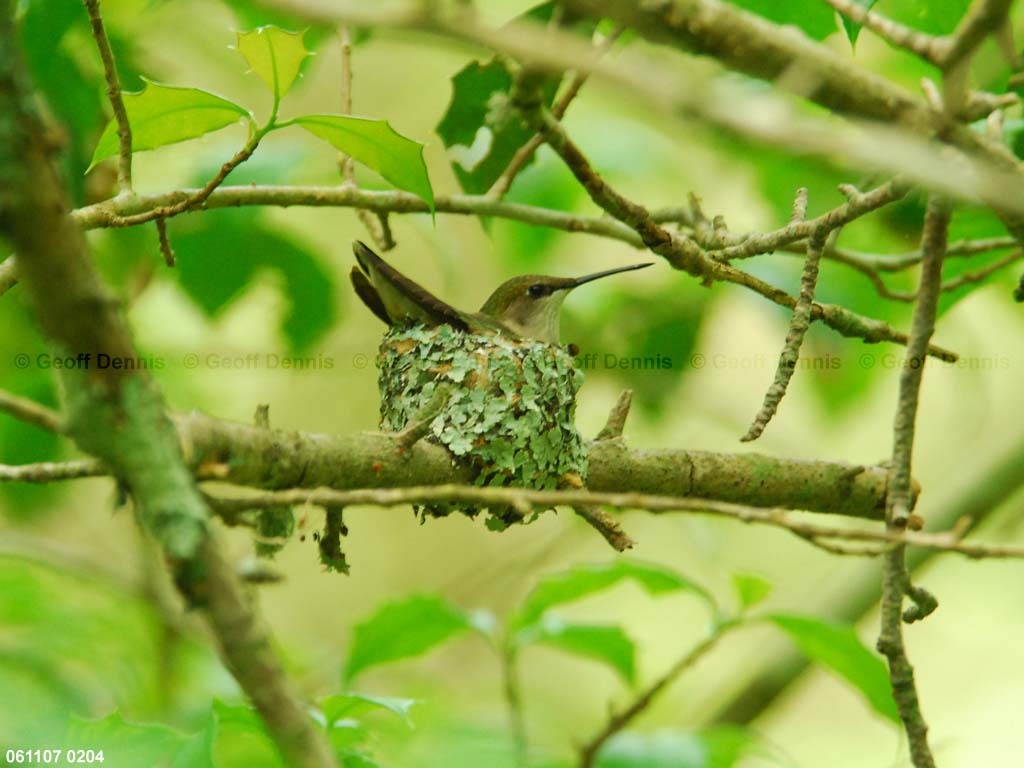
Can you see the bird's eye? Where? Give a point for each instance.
(536, 291)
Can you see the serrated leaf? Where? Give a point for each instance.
(354, 705)
(713, 748)
(166, 114)
(607, 644)
(131, 745)
(275, 55)
(851, 27)
(403, 629)
(583, 580)
(377, 145)
(837, 647)
(750, 589)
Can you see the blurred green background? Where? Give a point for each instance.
(82, 630)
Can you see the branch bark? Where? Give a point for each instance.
(118, 416)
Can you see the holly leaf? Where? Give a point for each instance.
(377, 145)
(275, 55)
(167, 114)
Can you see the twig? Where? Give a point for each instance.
(377, 227)
(165, 243)
(928, 47)
(522, 497)
(50, 472)
(30, 412)
(606, 525)
(124, 129)
(798, 326)
(514, 704)
(617, 417)
(895, 578)
(523, 155)
(8, 274)
(195, 199)
(619, 720)
(418, 426)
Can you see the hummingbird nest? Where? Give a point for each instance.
(508, 413)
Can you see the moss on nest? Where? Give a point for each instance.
(509, 412)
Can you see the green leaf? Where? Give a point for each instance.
(240, 739)
(166, 114)
(130, 745)
(275, 55)
(851, 27)
(354, 705)
(403, 629)
(607, 644)
(713, 748)
(814, 17)
(837, 647)
(750, 588)
(583, 580)
(377, 145)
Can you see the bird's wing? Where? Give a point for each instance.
(365, 291)
(400, 299)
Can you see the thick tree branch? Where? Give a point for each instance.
(118, 415)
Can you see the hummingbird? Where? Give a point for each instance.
(525, 307)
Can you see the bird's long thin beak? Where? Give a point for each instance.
(598, 275)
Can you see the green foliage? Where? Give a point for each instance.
(127, 744)
(584, 580)
(851, 27)
(403, 629)
(480, 124)
(510, 408)
(814, 17)
(275, 55)
(349, 706)
(750, 589)
(609, 645)
(217, 261)
(166, 114)
(936, 17)
(720, 747)
(837, 647)
(377, 145)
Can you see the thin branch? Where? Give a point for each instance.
(8, 274)
(684, 253)
(522, 497)
(124, 129)
(606, 525)
(798, 326)
(31, 412)
(929, 47)
(196, 199)
(165, 243)
(619, 720)
(617, 417)
(514, 704)
(525, 153)
(895, 578)
(51, 472)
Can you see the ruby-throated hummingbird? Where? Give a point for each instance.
(526, 307)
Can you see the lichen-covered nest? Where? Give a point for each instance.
(509, 411)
